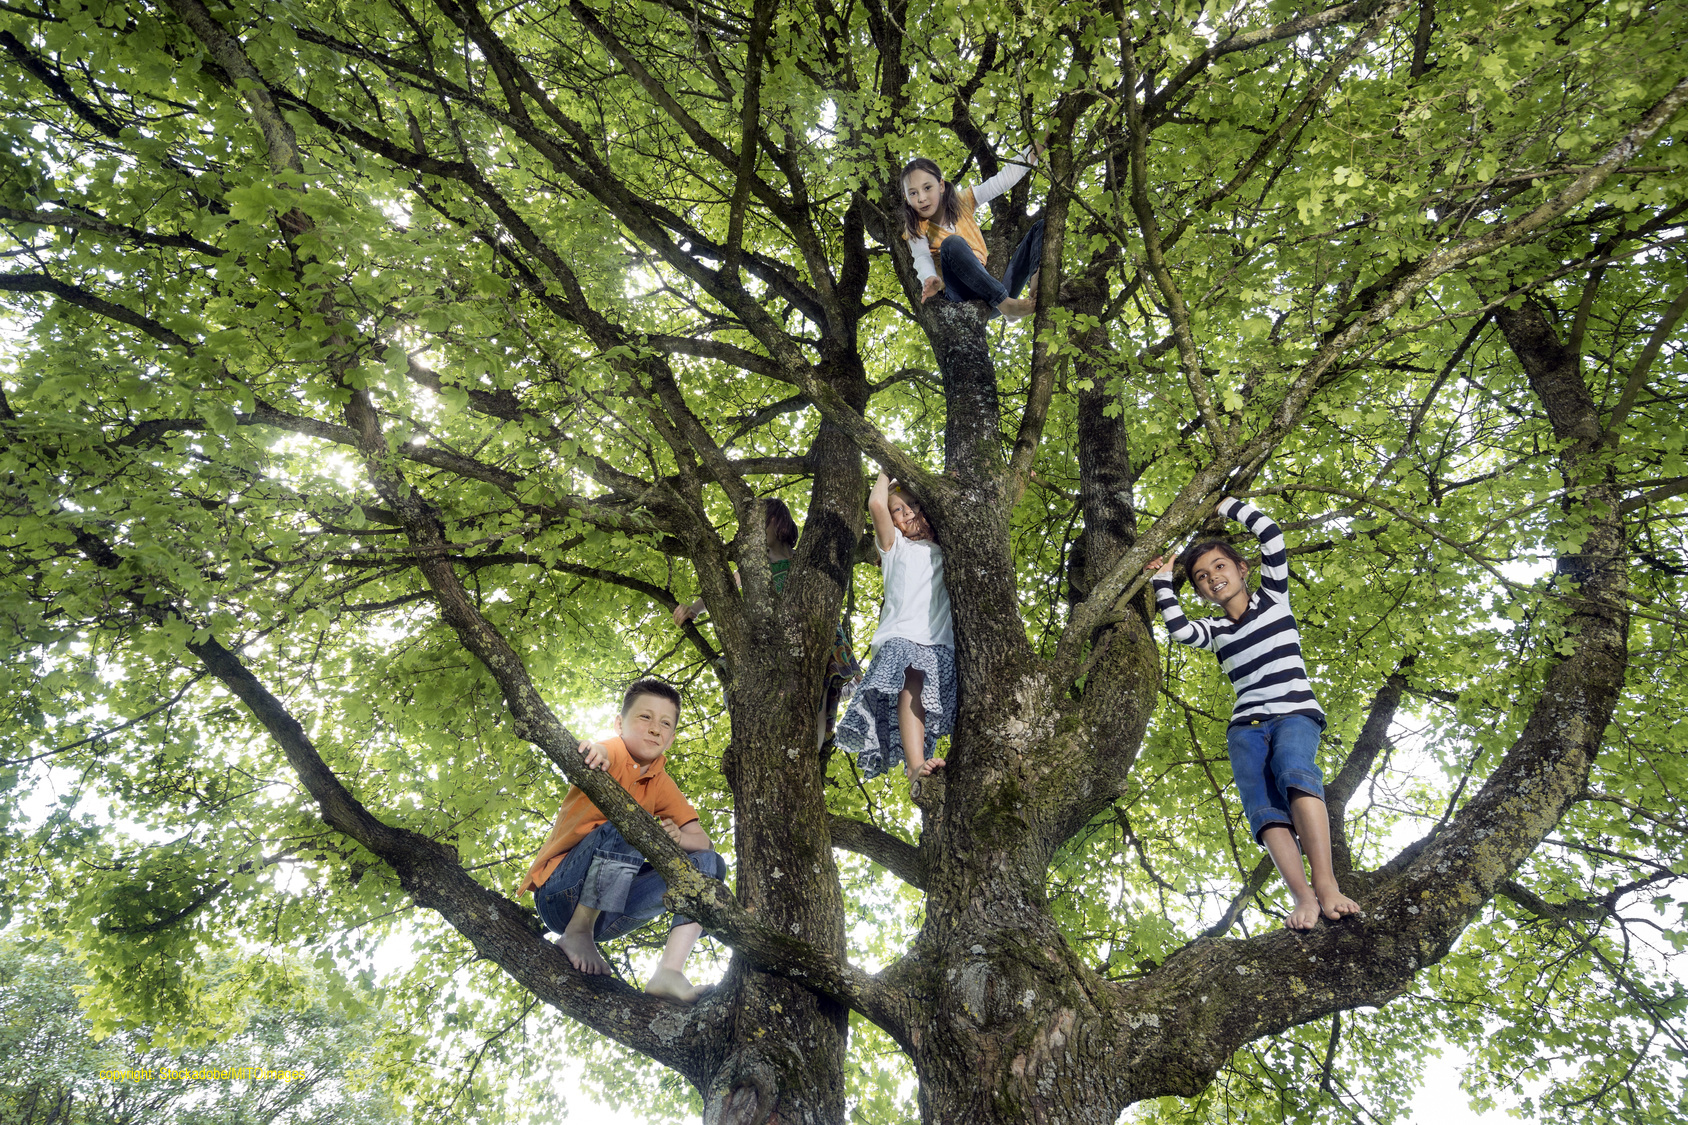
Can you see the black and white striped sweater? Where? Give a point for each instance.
(1262, 652)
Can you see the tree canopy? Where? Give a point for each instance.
(380, 376)
(301, 1056)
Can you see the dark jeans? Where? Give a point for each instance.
(606, 872)
(966, 279)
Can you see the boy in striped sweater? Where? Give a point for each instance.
(1274, 733)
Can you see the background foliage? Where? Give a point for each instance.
(60, 1064)
(172, 388)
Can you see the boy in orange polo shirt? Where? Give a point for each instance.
(590, 884)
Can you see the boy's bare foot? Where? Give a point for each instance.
(583, 953)
(1017, 308)
(1305, 915)
(671, 985)
(1334, 903)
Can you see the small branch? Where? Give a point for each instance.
(1257, 879)
(1553, 912)
(1249, 40)
(78, 220)
(1643, 363)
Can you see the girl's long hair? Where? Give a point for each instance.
(949, 207)
(780, 521)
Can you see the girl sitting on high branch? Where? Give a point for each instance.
(939, 225)
(1276, 723)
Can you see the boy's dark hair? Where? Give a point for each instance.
(1193, 553)
(780, 521)
(949, 207)
(650, 686)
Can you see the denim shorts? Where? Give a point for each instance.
(1268, 759)
(606, 872)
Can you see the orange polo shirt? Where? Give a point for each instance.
(650, 786)
(966, 228)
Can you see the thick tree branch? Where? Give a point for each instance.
(750, 129)
(1041, 383)
(428, 871)
(899, 857)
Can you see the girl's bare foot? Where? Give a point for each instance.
(671, 985)
(1334, 903)
(583, 953)
(1017, 308)
(1305, 915)
(915, 773)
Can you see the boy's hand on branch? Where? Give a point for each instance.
(672, 829)
(597, 755)
(931, 289)
(1160, 565)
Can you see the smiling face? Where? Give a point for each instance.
(908, 518)
(924, 192)
(1220, 579)
(648, 727)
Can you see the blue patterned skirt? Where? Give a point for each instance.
(869, 729)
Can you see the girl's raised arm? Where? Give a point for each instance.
(1012, 173)
(879, 505)
(1197, 634)
(1274, 559)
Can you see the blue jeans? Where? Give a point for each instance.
(1268, 759)
(604, 871)
(966, 279)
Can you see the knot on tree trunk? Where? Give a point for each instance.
(743, 1092)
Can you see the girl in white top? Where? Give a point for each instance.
(907, 698)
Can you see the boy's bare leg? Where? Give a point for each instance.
(669, 981)
(1312, 824)
(1286, 856)
(911, 724)
(576, 940)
